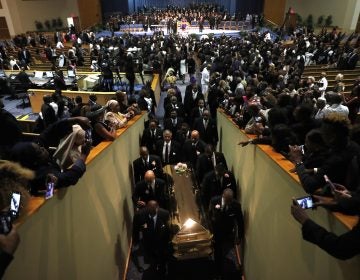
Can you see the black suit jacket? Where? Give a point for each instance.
(195, 113)
(225, 219)
(24, 58)
(205, 164)
(140, 167)
(150, 142)
(181, 137)
(144, 193)
(180, 110)
(168, 124)
(190, 153)
(173, 154)
(212, 186)
(153, 237)
(343, 247)
(189, 101)
(208, 135)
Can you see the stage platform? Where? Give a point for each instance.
(186, 33)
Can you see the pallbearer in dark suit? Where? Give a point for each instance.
(207, 128)
(146, 162)
(148, 189)
(227, 225)
(183, 134)
(215, 182)
(174, 122)
(197, 111)
(167, 149)
(192, 149)
(151, 135)
(153, 223)
(207, 162)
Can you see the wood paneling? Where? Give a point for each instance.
(89, 12)
(4, 30)
(274, 10)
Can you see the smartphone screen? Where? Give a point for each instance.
(15, 204)
(305, 202)
(49, 190)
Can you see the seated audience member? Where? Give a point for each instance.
(150, 188)
(146, 162)
(174, 122)
(207, 128)
(183, 134)
(151, 135)
(207, 162)
(227, 225)
(319, 110)
(335, 133)
(154, 224)
(24, 79)
(48, 114)
(13, 178)
(339, 84)
(11, 132)
(69, 149)
(257, 121)
(344, 246)
(353, 59)
(76, 111)
(192, 149)
(121, 98)
(101, 130)
(215, 182)
(167, 149)
(303, 122)
(335, 106)
(92, 100)
(113, 117)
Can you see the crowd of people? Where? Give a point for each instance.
(257, 82)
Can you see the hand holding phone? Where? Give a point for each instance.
(14, 205)
(305, 202)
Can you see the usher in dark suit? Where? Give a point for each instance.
(213, 186)
(209, 134)
(206, 163)
(149, 139)
(191, 151)
(173, 155)
(140, 166)
(169, 124)
(155, 238)
(144, 192)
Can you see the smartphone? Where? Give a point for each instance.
(305, 202)
(15, 205)
(49, 190)
(5, 222)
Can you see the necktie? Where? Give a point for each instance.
(205, 124)
(154, 222)
(152, 134)
(174, 122)
(167, 153)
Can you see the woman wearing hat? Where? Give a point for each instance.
(101, 130)
(113, 116)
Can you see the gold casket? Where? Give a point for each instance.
(192, 239)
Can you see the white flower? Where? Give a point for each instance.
(153, 163)
(217, 206)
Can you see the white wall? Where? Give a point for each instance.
(25, 13)
(344, 12)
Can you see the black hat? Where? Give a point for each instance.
(95, 111)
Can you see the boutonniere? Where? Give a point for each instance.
(153, 163)
(218, 206)
(147, 191)
(145, 225)
(226, 175)
(174, 154)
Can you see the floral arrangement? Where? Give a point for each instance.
(181, 168)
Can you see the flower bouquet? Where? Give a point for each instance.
(181, 168)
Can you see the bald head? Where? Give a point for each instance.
(167, 135)
(149, 176)
(195, 136)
